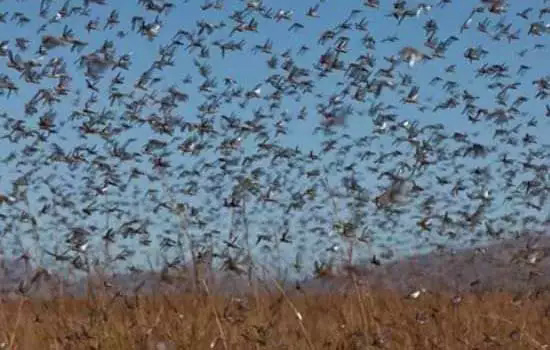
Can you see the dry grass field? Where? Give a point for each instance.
(465, 300)
(361, 318)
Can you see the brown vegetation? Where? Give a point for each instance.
(494, 297)
(359, 318)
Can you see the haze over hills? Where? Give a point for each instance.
(519, 264)
(515, 264)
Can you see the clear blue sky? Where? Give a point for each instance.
(250, 69)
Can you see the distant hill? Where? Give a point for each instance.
(516, 265)
(512, 265)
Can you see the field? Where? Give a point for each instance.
(471, 299)
(480, 303)
(362, 318)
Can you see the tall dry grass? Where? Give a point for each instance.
(359, 318)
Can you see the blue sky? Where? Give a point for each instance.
(250, 69)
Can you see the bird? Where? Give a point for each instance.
(412, 55)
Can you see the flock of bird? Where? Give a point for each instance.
(133, 129)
